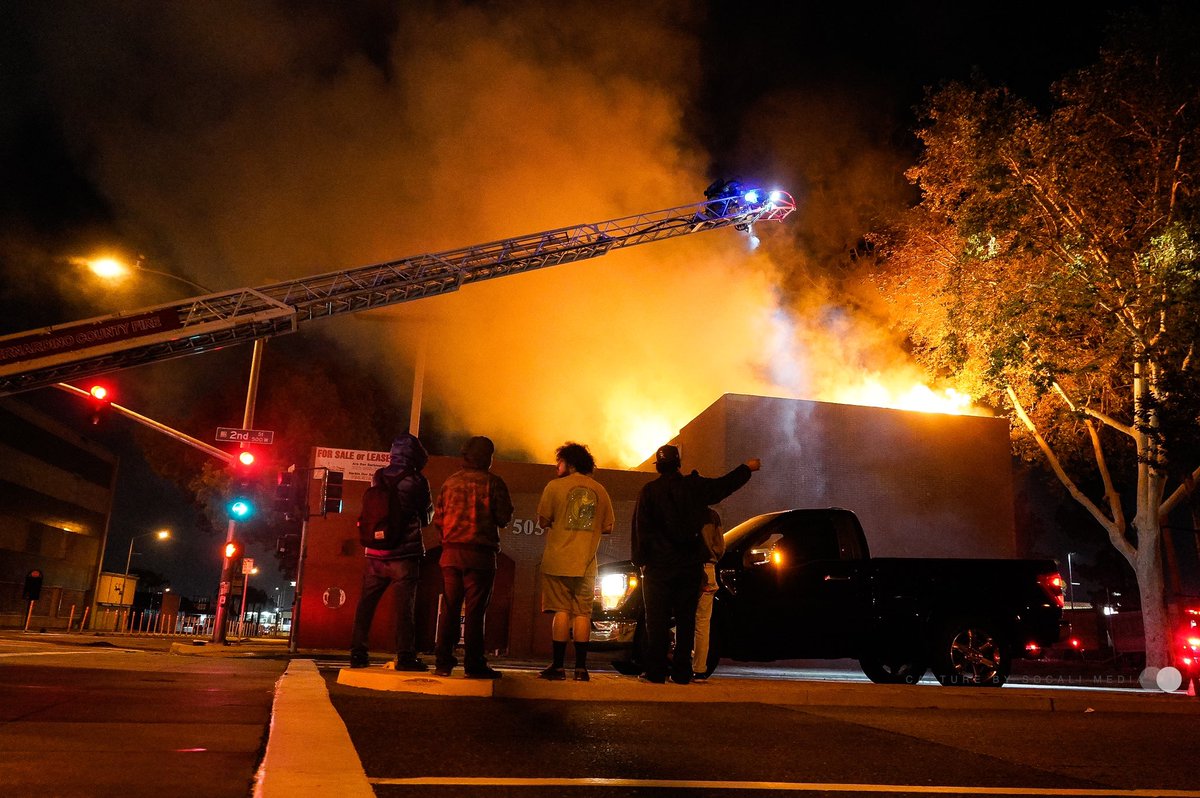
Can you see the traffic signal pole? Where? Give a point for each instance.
(218, 635)
(157, 426)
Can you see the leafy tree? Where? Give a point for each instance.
(1052, 266)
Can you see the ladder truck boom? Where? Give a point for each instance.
(38, 358)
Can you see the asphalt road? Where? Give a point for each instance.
(104, 721)
(81, 716)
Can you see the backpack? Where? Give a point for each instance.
(378, 528)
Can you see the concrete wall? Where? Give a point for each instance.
(56, 493)
(333, 568)
(923, 484)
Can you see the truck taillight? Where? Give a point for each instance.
(1053, 584)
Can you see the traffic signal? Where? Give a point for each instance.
(331, 493)
(100, 402)
(231, 564)
(33, 586)
(285, 493)
(287, 549)
(243, 488)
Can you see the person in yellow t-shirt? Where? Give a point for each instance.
(575, 510)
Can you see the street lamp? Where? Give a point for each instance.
(162, 534)
(110, 268)
(1070, 580)
(246, 574)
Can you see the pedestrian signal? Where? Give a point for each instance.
(331, 495)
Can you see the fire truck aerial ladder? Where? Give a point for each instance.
(39, 358)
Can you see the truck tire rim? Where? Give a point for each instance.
(975, 655)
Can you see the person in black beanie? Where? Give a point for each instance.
(472, 507)
(668, 546)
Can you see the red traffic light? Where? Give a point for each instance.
(100, 401)
(246, 457)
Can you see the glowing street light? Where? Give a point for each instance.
(161, 534)
(110, 268)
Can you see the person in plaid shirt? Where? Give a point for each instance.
(472, 507)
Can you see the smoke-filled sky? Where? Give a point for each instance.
(237, 143)
(241, 143)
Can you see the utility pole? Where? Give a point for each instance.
(218, 635)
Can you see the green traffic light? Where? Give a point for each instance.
(240, 509)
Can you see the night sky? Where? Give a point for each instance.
(239, 143)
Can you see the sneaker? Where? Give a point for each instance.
(359, 661)
(699, 677)
(681, 679)
(411, 664)
(652, 679)
(484, 673)
(553, 674)
(443, 670)
(581, 675)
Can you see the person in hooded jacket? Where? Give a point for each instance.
(668, 545)
(400, 566)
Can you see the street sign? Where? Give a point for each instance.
(247, 565)
(260, 436)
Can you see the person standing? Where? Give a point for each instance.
(668, 547)
(409, 509)
(714, 541)
(472, 507)
(575, 510)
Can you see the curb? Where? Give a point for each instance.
(204, 648)
(309, 751)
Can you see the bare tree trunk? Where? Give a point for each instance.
(1148, 567)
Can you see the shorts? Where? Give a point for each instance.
(571, 594)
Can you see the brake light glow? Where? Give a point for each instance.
(1053, 584)
(1075, 642)
(1033, 648)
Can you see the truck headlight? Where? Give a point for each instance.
(613, 589)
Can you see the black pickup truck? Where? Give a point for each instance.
(801, 584)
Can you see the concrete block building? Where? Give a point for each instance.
(56, 493)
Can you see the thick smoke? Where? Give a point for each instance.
(247, 144)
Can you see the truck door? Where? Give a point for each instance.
(799, 586)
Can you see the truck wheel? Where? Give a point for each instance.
(894, 669)
(971, 654)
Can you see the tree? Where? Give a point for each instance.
(1051, 265)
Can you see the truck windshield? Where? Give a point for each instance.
(820, 534)
(749, 527)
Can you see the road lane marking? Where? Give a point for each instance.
(66, 653)
(782, 786)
